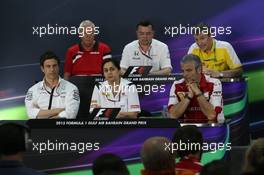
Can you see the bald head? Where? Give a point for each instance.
(87, 23)
(154, 156)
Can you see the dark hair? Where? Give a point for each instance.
(193, 58)
(12, 138)
(114, 61)
(145, 23)
(109, 162)
(216, 167)
(201, 28)
(188, 134)
(48, 55)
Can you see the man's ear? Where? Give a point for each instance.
(153, 33)
(199, 69)
(42, 68)
(137, 33)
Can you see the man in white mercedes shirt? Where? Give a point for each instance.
(53, 97)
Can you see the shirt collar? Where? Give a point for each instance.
(203, 82)
(45, 86)
(213, 46)
(151, 44)
(95, 46)
(109, 93)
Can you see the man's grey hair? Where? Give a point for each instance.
(192, 58)
(86, 23)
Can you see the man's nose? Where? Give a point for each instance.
(144, 35)
(185, 74)
(52, 69)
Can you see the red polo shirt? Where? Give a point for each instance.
(189, 164)
(81, 62)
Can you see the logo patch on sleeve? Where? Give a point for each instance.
(29, 95)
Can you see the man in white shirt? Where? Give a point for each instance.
(147, 51)
(53, 97)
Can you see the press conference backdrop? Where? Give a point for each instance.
(22, 44)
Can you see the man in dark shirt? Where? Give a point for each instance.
(14, 140)
(190, 157)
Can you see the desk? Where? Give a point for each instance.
(154, 95)
(125, 141)
(154, 92)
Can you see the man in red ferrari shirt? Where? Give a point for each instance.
(86, 57)
(189, 141)
(196, 97)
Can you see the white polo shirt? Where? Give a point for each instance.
(65, 95)
(126, 97)
(158, 56)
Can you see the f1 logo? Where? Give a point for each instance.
(134, 70)
(137, 70)
(104, 113)
(100, 112)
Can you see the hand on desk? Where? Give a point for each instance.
(211, 73)
(122, 115)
